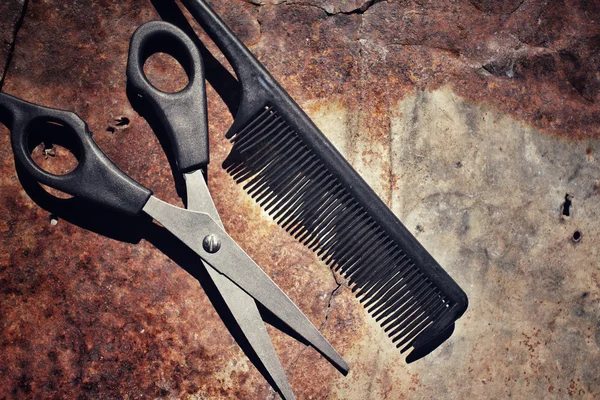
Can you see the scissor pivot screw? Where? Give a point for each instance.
(211, 243)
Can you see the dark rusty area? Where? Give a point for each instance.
(12, 13)
(87, 316)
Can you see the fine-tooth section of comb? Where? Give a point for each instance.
(298, 177)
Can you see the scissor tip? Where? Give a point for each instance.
(338, 362)
(344, 368)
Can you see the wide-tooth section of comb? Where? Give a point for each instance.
(293, 185)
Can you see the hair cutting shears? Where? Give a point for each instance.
(183, 115)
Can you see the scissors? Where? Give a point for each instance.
(183, 116)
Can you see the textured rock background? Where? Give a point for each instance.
(472, 119)
(12, 12)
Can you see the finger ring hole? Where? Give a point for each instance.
(165, 73)
(54, 149)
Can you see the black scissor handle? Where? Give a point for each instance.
(182, 114)
(95, 178)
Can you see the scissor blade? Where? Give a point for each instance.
(198, 196)
(240, 304)
(192, 227)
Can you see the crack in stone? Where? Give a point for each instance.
(518, 7)
(260, 28)
(13, 43)
(330, 301)
(360, 10)
(390, 155)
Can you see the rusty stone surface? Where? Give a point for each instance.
(11, 12)
(472, 119)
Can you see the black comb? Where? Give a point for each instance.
(290, 168)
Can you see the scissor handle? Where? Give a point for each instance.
(182, 114)
(95, 178)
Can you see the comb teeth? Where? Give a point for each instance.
(289, 181)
